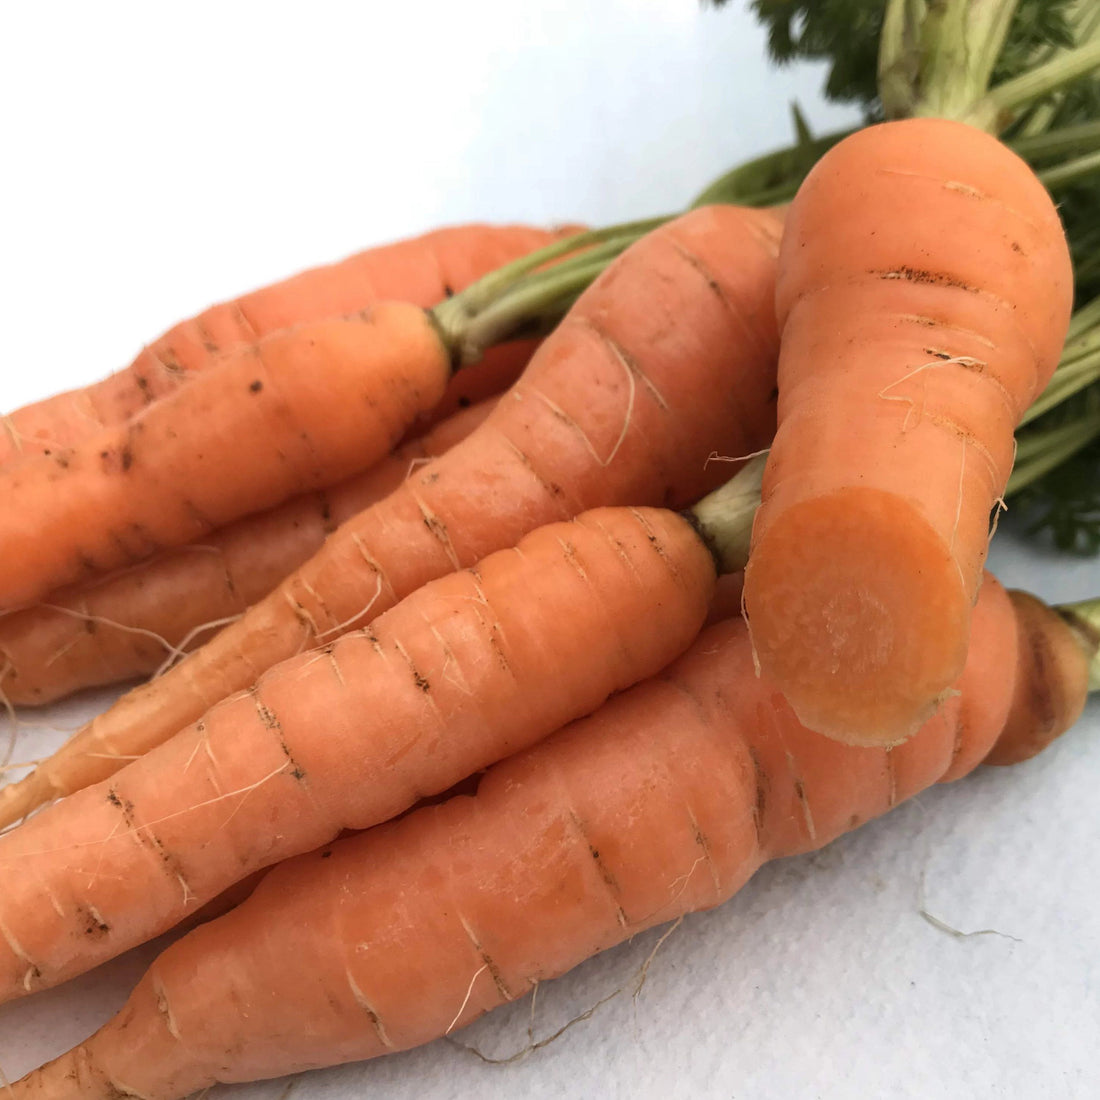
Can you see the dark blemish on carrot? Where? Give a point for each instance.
(421, 682)
(555, 489)
(94, 925)
(928, 278)
(464, 402)
(448, 290)
(327, 854)
(256, 386)
(774, 395)
(127, 458)
(595, 853)
(1016, 247)
(937, 353)
(113, 798)
(63, 461)
(760, 804)
(90, 626)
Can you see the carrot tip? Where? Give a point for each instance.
(858, 613)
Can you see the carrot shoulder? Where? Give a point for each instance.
(301, 409)
(465, 671)
(666, 360)
(421, 270)
(923, 295)
(129, 623)
(663, 802)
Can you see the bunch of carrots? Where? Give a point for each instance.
(382, 537)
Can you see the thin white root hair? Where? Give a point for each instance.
(340, 628)
(752, 642)
(244, 792)
(466, 999)
(535, 1046)
(958, 515)
(532, 1045)
(643, 972)
(957, 360)
(999, 506)
(178, 652)
(305, 618)
(416, 463)
(943, 926)
(631, 395)
(714, 456)
(102, 620)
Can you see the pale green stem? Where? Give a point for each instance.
(530, 304)
(519, 297)
(1054, 143)
(1002, 102)
(1041, 454)
(1087, 317)
(489, 288)
(724, 518)
(1071, 171)
(1070, 378)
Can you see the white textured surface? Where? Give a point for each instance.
(158, 159)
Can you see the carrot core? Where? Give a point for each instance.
(875, 644)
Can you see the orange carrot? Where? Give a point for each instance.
(664, 802)
(422, 270)
(128, 624)
(466, 670)
(923, 297)
(302, 409)
(667, 359)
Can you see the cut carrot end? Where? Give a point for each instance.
(858, 613)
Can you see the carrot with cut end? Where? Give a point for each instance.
(422, 270)
(466, 670)
(923, 296)
(607, 412)
(128, 624)
(664, 802)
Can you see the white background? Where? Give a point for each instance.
(157, 158)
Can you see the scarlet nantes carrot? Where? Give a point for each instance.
(129, 623)
(422, 270)
(665, 801)
(923, 296)
(607, 412)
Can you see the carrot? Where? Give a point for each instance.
(466, 670)
(605, 413)
(923, 297)
(302, 409)
(664, 802)
(128, 624)
(422, 270)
